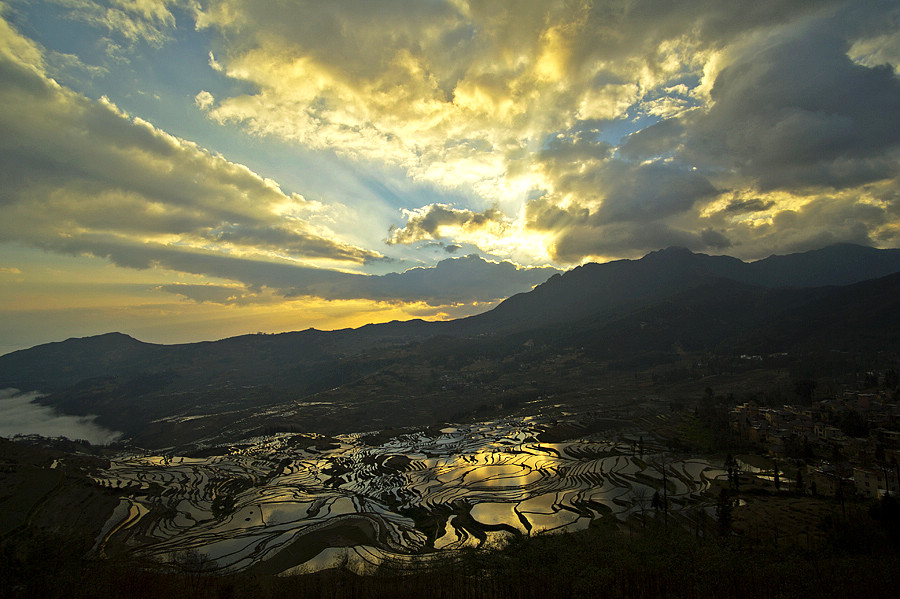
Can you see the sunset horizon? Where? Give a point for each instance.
(185, 171)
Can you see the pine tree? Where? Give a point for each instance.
(723, 513)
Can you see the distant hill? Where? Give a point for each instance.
(725, 316)
(843, 297)
(246, 358)
(839, 264)
(61, 364)
(594, 288)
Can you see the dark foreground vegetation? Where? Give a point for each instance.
(856, 555)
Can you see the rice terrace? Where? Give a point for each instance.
(272, 504)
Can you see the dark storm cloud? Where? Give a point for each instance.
(820, 222)
(791, 111)
(714, 239)
(622, 239)
(620, 209)
(649, 192)
(565, 150)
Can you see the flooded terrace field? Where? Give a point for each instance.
(291, 503)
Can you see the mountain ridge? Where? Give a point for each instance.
(595, 287)
(636, 312)
(651, 276)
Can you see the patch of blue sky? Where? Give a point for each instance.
(641, 114)
(157, 82)
(615, 132)
(47, 24)
(583, 133)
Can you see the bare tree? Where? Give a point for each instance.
(196, 566)
(642, 498)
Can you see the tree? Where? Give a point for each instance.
(776, 478)
(724, 513)
(891, 379)
(805, 389)
(196, 567)
(641, 495)
(881, 460)
(734, 474)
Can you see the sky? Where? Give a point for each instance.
(184, 170)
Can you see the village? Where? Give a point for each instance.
(848, 444)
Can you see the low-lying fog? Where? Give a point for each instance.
(21, 415)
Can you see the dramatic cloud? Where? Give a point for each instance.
(82, 177)
(792, 111)
(535, 131)
(584, 238)
(456, 93)
(619, 208)
(521, 100)
(438, 220)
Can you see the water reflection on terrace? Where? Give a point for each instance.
(289, 501)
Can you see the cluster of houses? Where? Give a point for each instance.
(851, 443)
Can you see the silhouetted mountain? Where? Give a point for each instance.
(862, 316)
(722, 315)
(839, 264)
(61, 364)
(628, 312)
(596, 288)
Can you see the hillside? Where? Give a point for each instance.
(628, 314)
